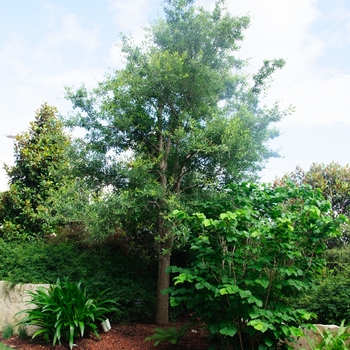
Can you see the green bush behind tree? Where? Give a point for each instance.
(131, 279)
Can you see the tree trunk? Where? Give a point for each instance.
(162, 312)
(164, 252)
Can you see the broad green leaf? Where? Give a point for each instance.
(229, 330)
(245, 293)
(255, 234)
(296, 332)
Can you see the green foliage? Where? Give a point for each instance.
(334, 182)
(170, 335)
(64, 311)
(330, 341)
(330, 300)
(22, 332)
(100, 265)
(249, 261)
(4, 347)
(40, 157)
(7, 331)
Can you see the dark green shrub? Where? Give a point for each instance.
(330, 300)
(22, 332)
(64, 311)
(99, 266)
(338, 260)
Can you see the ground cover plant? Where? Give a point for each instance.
(170, 335)
(64, 311)
(249, 261)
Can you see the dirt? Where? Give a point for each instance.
(120, 337)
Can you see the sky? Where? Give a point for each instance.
(46, 45)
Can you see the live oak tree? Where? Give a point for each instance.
(39, 168)
(181, 117)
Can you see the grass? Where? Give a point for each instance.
(3, 347)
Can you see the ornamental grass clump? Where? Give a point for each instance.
(64, 312)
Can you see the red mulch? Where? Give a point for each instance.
(123, 337)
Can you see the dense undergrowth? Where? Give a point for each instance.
(330, 299)
(131, 280)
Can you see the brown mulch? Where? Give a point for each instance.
(123, 337)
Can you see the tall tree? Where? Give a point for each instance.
(185, 112)
(40, 159)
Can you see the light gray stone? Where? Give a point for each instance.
(13, 299)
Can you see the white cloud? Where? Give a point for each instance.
(71, 30)
(132, 16)
(12, 55)
(65, 32)
(286, 29)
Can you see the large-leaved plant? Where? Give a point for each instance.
(248, 262)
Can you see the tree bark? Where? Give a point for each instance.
(162, 312)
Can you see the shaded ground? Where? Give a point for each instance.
(123, 337)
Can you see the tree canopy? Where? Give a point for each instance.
(182, 116)
(40, 159)
(333, 180)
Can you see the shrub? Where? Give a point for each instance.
(246, 264)
(99, 266)
(64, 311)
(330, 300)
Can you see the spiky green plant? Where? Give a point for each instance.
(330, 341)
(64, 311)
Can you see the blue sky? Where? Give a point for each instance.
(48, 44)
